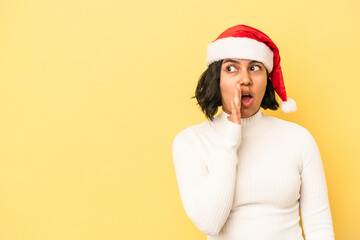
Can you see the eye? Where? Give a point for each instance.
(230, 68)
(254, 68)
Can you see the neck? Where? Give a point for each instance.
(229, 112)
(250, 125)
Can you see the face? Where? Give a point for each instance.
(252, 77)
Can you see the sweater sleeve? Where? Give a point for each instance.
(314, 203)
(207, 187)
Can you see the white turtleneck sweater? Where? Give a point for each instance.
(248, 181)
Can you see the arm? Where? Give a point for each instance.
(207, 190)
(314, 203)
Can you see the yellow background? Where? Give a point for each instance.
(92, 94)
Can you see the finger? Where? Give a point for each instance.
(238, 105)
(233, 109)
(234, 117)
(235, 113)
(236, 96)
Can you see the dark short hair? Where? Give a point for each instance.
(208, 93)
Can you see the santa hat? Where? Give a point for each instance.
(245, 42)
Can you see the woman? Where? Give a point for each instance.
(244, 175)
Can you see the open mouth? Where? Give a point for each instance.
(246, 96)
(246, 99)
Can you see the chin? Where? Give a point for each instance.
(245, 113)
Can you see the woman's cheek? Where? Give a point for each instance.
(231, 96)
(226, 97)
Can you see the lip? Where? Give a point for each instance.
(245, 92)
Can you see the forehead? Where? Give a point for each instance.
(241, 61)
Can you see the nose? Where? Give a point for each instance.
(245, 79)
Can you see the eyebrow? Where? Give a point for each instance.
(234, 61)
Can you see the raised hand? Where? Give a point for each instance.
(235, 104)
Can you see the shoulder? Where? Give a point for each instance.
(289, 130)
(192, 133)
(294, 139)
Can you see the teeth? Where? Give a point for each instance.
(246, 95)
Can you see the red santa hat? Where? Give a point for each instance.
(244, 42)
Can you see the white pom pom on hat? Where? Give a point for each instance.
(289, 105)
(245, 42)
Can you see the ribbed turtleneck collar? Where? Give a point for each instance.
(250, 126)
(244, 121)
